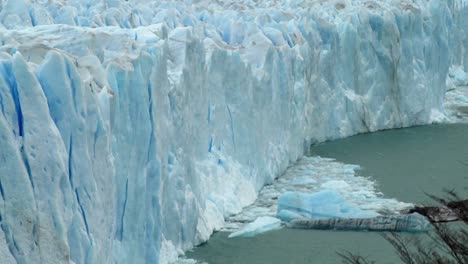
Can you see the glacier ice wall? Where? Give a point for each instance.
(129, 130)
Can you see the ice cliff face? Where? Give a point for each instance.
(129, 130)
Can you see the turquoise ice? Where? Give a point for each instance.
(325, 204)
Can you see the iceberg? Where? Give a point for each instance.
(325, 204)
(260, 225)
(129, 130)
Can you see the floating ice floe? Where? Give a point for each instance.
(396, 223)
(260, 225)
(313, 175)
(328, 210)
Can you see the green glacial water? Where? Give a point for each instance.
(406, 163)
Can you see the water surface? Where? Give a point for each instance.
(408, 163)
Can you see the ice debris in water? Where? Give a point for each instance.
(260, 225)
(312, 175)
(325, 204)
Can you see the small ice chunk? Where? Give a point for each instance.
(325, 204)
(260, 225)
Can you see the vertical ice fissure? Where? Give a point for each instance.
(83, 212)
(233, 136)
(120, 230)
(70, 162)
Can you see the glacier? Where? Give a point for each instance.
(129, 130)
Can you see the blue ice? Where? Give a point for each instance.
(321, 205)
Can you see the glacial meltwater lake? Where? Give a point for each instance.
(406, 163)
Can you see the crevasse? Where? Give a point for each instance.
(130, 129)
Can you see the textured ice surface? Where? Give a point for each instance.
(456, 98)
(130, 129)
(396, 223)
(260, 225)
(321, 205)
